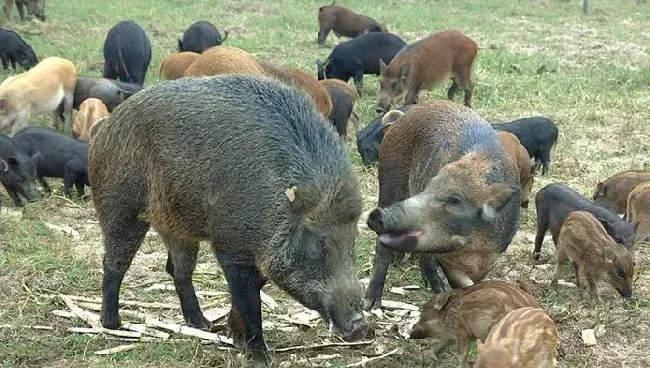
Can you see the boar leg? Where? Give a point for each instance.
(67, 109)
(579, 273)
(358, 82)
(44, 184)
(451, 92)
(245, 319)
(123, 234)
(322, 35)
(14, 196)
(380, 265)
(561, 258)
(429, 267)
(21, 10)
(464, 78)
(5, 64)
(542, 227)
(412, 96)
(181, 262)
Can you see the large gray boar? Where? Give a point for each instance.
(447, 190)
(245, 163)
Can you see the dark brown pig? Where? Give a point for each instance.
(594, 254)
(613, 192)
(427, 64)
(638, 211)
(34, 8)
(243, 162)
(446, 189)
(175, 65)
(344, 22)
(524, 338)
(519, 156)
(468, 314)
(343, 99)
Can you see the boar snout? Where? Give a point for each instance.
(356, 329)
(626, 292)
(376, 221)
(380, 110)
(418, 332)
(389, 224)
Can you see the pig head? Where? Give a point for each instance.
(457, 203)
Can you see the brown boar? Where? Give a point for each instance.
(594, 254)
(524, 338)
(175, 65)
(613, 192)
(344, 22)
(38, 91)
(343, 98)
(638, 211)
(446, 190)
(34, 8)
(91, 110)
(468, 314)
(425, 65)
(519, 156)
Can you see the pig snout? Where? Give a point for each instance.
(626, 293)
(356, 329)
(29, 192)
(380, 110)
(376, 221)
(390, 226)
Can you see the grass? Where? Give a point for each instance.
(590, 75)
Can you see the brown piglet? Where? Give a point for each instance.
(594, 254)
(613, 192)
(91, 110)
(638, 211)
(175, 65)
(524, 338)
(468, 314)
(344, 22)
(518, 154)
(425, 65)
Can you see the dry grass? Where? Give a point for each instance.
(594, 84)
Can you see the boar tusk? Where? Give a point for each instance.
(6, 165)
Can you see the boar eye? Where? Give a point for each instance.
(454, 199)
(620, 272)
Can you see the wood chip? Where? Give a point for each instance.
(90, 318)
(588, 337)
(62, 313)
(411, 287)
(366, 360)
(117, 349)
(95, 331)
(141, 328)
(268, 301)
(391, 304)
(320, 346)
(216, 314)
(397, 290)
(189, 331)
(124, 303)
(31, 327)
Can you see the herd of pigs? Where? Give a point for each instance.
(176, 156)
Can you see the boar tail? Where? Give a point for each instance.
(123, 65)
(225, 36)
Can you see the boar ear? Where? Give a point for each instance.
(382, 66)
(391, 117)
(302, 198)
(606, 224)
(4, 165)
(600, 190)
(500, 194)
(442, 299)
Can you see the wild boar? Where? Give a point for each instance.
(90, 111)
(359, 56)
(537, 134)
(35, 8)
(109, 91)
(199, 37)
(447, 190)
(369, 138)
(17, 172)
(191, 177)
(638, 211)
(519, 156)
(13, 49)
(344, 22)
(524, 338)
(38, 91)
(556, 201)
(425, 65)
(613, 192)
(594, 254)
(175, 65)
(343, 99)
(462, 316)
(127, 53)
(56, 156)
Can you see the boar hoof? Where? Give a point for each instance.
(111, 323)
(202, 324)
(537, 255)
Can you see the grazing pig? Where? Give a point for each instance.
(199, 37)
(109, 91)
(468, 314)
(90, 111)
(287, 214)
(524, 338)
(556, 201)
(344, 22)
(360, 56)
(537, 134)
(35, 8)
(613, 192)
(343, 99)
(13, 49)
(447, 189)
(369, 138)
(38, 91)
(638, 211)
(425, 65)
(174, 66)
(519, 156)
(56, 156)
(594, 254)
(17, 172)
(127, 53)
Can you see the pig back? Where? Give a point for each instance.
(219, 150)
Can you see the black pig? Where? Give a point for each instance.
(127, 53)
(199, 37)
(17, 171)
(537, 134)
(13, 49)
(175, 157)
(369, 139)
